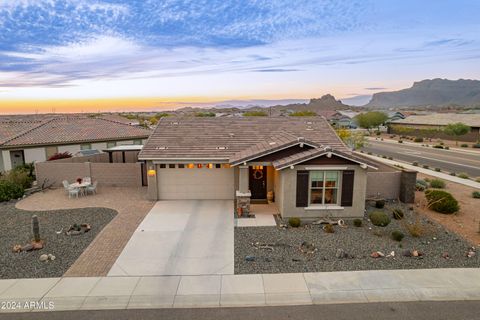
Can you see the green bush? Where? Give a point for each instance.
(397, 235)
(464, 145)
(437, 146)
(418, 139)
(415, 163)
(424, 183)
(446, 148)
(453, 174)
(476, 145)
(437, 184)
(438, 169)
(294, 222)
(19, 177)
(357, 222)
(398, 214)
(400, 141)
(476, 194)
(425, 166)
(477, 180)
(379, 218)
(378, 133)
(255, 114)
(441, 201)
(379, 204)
(463, 175)
(10, 190)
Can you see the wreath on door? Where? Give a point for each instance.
(258, 174)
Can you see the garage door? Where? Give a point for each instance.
(196, 183)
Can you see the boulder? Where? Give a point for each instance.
(43, 258)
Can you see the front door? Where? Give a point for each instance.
(258, 182)
(17, 157)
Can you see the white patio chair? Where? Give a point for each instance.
(92, 188)
(66, 185)
(73, 192)
(87, 180)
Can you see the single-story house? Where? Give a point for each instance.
(301, 161)
(37, 140)
(431, 125)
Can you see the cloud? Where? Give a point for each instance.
(376, 88)
(276, 70)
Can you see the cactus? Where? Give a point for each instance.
(35, 229)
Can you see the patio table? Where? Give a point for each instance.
(82, 186)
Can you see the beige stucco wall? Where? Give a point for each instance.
(287, 193)
(7, 162)
(35, 154)
(72, 148)
(385, 185)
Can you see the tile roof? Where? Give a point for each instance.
(64, 130)
(441, 119)
(234, 139)
(11, 128)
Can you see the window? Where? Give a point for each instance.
(218, 165)
(181, 166)
(111, 144)
(137, 142)
(163, 166)
(324, 187)
(85, 146)
(171, 166)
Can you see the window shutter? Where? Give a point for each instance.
(347, 188)
(302, 188)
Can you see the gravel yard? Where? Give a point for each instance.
(16, 228)
(357, 242)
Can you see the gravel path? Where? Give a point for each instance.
(359, 242)
(15, 228)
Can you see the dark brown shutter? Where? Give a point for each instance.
(347, 188)
(302, 188)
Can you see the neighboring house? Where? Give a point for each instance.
(344, 119)
(118, 118)
(426, 125)
(394, 116)
(32, 141)
(301, 160)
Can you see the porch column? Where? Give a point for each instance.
(243, 179)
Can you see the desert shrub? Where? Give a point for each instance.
(453, 174)
(378, 133)
(426, 179)
(424, 183)
(441, 201)
(19, 177)
(477, 180)
(328, 228)
(415, 229)
(415, 163)
(294, 222)
(60, 155)
(418, 139)
(305, 113)
(420, 187)
(397, 214)
(476, 194)
(390, 158)
(10, 190)
(464, 145)
(437, 146)
(379, 204)
(438, 169)
(425, 166)
(400, 141)
(384, 157)
(379, 218)
(463, 175)
(476, 145)
(446, 148)
(255, 114)
(369, 153)
(397, 235)
(437, 184)
(357, 222)
(205, 114)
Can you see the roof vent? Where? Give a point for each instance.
(272, 143)
(161, 148)
(222, 148)
(231, 134)
(309, 122)
(309, 128)
(175, 123)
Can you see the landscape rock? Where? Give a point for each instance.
(445, 255)
(17, 248)
(407, 253)
(43, 257)
(250, 258)
(27, 247)
(377, 254)
(340, 254)
(37, 245)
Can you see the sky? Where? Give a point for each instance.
(112, 55)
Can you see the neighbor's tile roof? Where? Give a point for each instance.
(73, 130)
(11, 128)
(441, 119)
(226, 138)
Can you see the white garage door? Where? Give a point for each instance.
(195, 184)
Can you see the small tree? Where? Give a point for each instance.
(305, 113)
(456, 129)
(371, 119)
(205, 114)
(255, 114)
(153, 121)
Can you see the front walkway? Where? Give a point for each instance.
(264, 216)
(182, 237)
(98, 258)
(242, 290)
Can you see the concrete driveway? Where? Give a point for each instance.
(181, 237)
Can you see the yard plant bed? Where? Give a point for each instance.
(254, 254)
(16, 228)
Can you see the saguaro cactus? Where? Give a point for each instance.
(35, 229)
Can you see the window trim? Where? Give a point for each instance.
(324, 188)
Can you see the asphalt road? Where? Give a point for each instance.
(447, 160)
(451, 310)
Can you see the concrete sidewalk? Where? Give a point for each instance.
(56, 294)
(441, 175)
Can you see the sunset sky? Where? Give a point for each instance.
(112, 55)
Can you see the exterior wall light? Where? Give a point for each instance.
(151, 172)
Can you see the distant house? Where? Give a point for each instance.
(394, 116)
(32, 141)
(301, 161)
(344, 119)
(423, 125)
